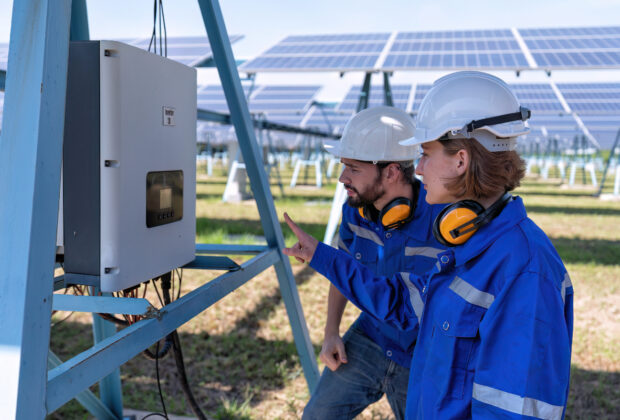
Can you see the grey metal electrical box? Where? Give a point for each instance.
(129, 168)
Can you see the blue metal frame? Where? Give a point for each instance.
(240, 115)
(30, 156)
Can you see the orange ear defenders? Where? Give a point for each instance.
(396, 213)
(456, 223)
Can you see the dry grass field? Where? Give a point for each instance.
(240, 355)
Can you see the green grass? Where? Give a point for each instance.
(240, 355)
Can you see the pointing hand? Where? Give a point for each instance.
(304, 249)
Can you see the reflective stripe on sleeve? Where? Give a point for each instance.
(414, 296)
(438, 266)
(425, 251)
(566, 283)
(365, 233)
(471, 294)
(516, 404)
(341, 245)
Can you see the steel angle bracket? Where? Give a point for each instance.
(105, 305)
(70, 378)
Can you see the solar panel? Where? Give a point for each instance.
(559, 126)
(604, 128)
(282, 98)
(574, 47)
(327, 119)
(538, 97)
(341, 52)
(592, 98)
(400, 97)
(441, 50)
(191, 51)
(420, 92)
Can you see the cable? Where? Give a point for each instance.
(154, 34)
(161, 395)
(178, 354)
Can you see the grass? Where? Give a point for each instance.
(240, 356)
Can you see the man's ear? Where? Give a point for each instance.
(392, 172)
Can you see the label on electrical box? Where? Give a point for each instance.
(168, 115)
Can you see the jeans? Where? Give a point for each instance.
(355, 385)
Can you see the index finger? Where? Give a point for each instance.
(296, 229)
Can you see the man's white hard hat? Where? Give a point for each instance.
(373, 135)
(471, 104)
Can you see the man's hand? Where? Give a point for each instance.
(304, 249)
(332, 352)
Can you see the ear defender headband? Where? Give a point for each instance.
(396, 213)
(456, 223)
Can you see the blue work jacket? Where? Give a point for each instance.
(495, 318)
(410, 248)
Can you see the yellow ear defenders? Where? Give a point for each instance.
(395, 213)
(456, 223)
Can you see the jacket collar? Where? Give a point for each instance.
(511, 215)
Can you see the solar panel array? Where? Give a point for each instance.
(492, 49)
(280, 104)
(574, 47)
(322, 52)
(400, 97)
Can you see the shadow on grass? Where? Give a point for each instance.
(593, 395)
(586, 211)
(597, 251)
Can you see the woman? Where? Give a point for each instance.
(495, 315)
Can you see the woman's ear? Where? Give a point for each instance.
(462, 161)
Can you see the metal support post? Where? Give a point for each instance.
(110, 390)
(364, 93)
(30, 155)
(612, 152)
(387, 91)
(227, 70)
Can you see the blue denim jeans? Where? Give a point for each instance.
(355, 385)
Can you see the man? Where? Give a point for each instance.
(386, 225)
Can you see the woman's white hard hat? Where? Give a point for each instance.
(471, 104)
(373, 135)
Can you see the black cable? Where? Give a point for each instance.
(163, 17)
(160, 41)
(161, 395)
(178, 354)
(154, 35)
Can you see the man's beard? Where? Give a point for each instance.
(368, 197)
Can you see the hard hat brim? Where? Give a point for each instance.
(332, 147)
(418, 138)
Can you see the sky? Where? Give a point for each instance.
(265, 22)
